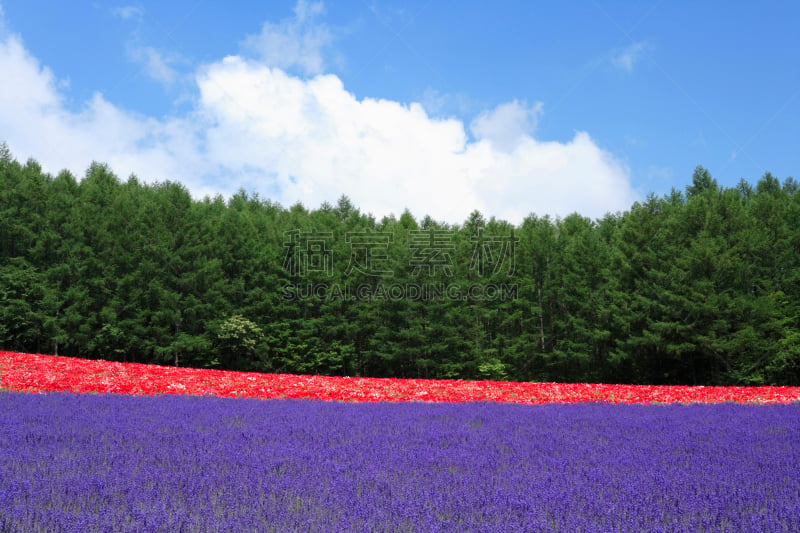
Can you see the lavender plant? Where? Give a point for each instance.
(87, 463)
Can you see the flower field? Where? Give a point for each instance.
(164, 452)
(45, 373)
(83, 463)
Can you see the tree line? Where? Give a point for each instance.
(696, 287)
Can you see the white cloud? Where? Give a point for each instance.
(317, 141)
(156, 65)
(304, 10)
(293, 43)
(310, 140)
(35, 123)
(129, 12)
(383, 154)
(629, 56)
(506, 125)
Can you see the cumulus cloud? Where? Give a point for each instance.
(318, 141)
(506, 125)
(35, 122)
(294, 43)
(291, 139)
(629, 56)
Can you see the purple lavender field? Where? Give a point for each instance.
(184, 464)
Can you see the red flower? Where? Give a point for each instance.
(44, 373)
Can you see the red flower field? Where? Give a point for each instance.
(46, 373)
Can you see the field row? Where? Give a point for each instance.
(86, 463)
(44, 373)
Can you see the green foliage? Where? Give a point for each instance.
(492, 369)
(701, 287)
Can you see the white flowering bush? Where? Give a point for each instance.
(236, 336)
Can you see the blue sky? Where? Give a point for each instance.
(438, 106)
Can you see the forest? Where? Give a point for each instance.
(698, 287)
